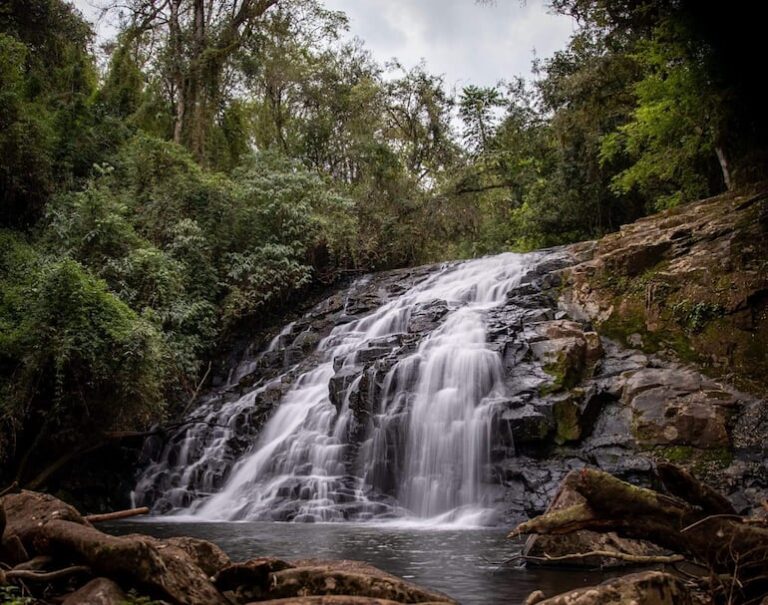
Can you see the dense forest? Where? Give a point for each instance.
(215, 161)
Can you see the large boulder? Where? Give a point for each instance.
(644, 588)
(352, 578)
(567, 352)
(100, 591)
(678, 407)
(206, 555)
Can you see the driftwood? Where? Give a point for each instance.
(608, 554)
(692, 520)
(118, 514)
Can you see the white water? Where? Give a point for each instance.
(427, 437)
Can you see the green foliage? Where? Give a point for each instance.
(476, 109)
(674, 129)
(73, 355)
(694, 317)
(12, 595)
(47, 80)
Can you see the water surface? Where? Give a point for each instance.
(467, 564)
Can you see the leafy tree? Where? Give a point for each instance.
(476, 108)
(46, 82)
(74, 359)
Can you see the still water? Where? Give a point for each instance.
(467, 564)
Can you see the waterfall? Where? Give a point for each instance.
(405, 435)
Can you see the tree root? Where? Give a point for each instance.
(692, 520)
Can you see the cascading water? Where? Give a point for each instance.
(406, 436)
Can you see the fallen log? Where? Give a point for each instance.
(722, 541)
(117, 515)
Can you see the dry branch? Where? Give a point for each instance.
(118, 514)
(639, 559)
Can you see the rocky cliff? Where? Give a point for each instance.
(647, 345)
(690, 283)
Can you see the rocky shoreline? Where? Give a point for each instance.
(50, 553)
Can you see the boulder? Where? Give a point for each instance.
(206, 555)
(27, 510)
(250, 579)
(100, 591)
(47, 526)
(568, 352)
(525, 424)
(644, 588)
(678, 407)
(347, 578)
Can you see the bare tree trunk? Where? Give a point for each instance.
(177, 76)
(724, 167)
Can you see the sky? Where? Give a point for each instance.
(467, 42)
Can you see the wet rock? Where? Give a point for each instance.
(567, 352)
(100, 591)
(644, 588)
(524, 425)
(575, 413)
(347, 578)
(307, 341)
(206, 555)
(248, 580)
(427, 317)
(340, 383)
(542, 546)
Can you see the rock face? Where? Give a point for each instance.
(678, 407)
(691, 282)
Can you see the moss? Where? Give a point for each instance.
(693, 317)
(631, 320)
(567, 421)
(566, 372)
(699, 461)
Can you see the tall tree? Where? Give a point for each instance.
(196, 41)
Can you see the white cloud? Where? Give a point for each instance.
(465, 41)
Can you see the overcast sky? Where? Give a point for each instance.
(467, 42)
